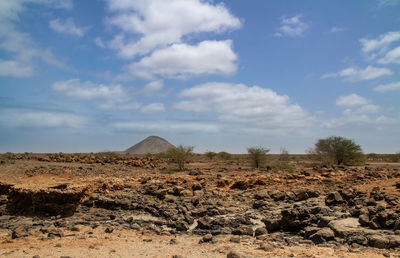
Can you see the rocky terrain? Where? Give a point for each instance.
(221, 208)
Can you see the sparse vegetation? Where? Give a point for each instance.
(257, 155)
(180, 155)
(395, 157)
(210, 154)
(339, 150)
(224, 155)
(284, 155)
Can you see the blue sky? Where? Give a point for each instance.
(82, 76)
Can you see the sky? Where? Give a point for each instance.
(100, 75)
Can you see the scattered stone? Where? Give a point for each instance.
(207, 238)
(19, 232)
(266, 247)
(260, 231)
(109, 230)
(322, 235)
(234, 254)
(235, 239)
(334, 198)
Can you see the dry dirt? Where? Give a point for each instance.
(215, 209)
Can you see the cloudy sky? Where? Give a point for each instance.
(81, 76)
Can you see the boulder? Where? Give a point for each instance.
(322, 235)
(334, 198)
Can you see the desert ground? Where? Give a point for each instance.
(93, 205)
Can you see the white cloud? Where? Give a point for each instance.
(63, 4)
(15, 69)
(113, 96)
(153, 87)
(382, 49)
(169, 126)
(117, 105)
(292, 27)
(359, 111)
(351, 100)
(388, 87)
(182, 61)
(392, 56)
(159, 23)
(382, 42)
(153, 108)
(67, 27)
(28, 118)
(252, 106)
(384, 3)
(99, 42)
(336, 29)
(19, 44)
(354, 74)
(89, 90)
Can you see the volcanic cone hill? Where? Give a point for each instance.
(152, 144)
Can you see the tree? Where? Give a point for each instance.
(180, 155)
(284, 156)
(210, 154)
(339, 150)
(257, 155)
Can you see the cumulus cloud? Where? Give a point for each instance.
(388, 87)
(392, 56)
(31, 118)
(159, 23)
(153, 108)
(382, 48)
(19, 44)
(354, 74)
(99, 42)
(68, 27)
(238, 103)
(15, 69)
(169, 126)
(114, 96)
(292, 27)
(89, 90)
(351, 100)
(153, 87)
(183, 61)
(382, 42)
(359, 111)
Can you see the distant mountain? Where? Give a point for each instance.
(152, 144)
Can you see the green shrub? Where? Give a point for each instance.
(210, 154)
(284, 156)
(339, 150)
(180, 155)
(224, 155)
(257, 155)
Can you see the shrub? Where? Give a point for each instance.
(224, 155)
(210, 154)
(395, 157)
(339, 150)
(180, 155)
(257, 155)
(284, 156)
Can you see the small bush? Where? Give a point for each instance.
(395, 157)
(284, 156)
(224, 155)
(257, 155)
(180, 155)
(210, 154)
